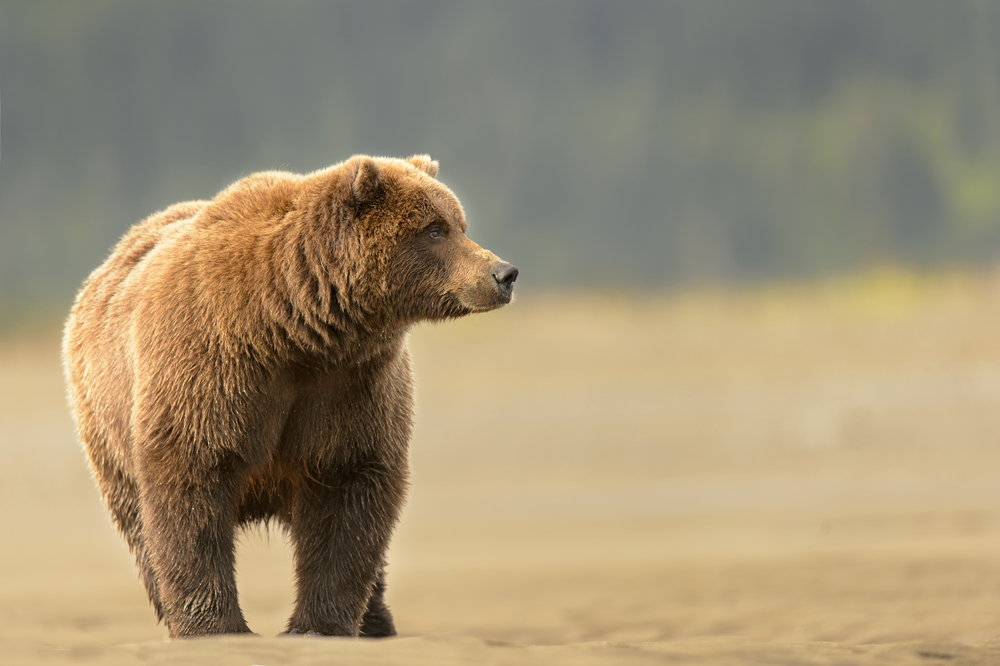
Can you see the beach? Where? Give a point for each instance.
(796, 475)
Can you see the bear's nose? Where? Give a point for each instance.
(505, 274)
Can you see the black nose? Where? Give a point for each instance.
(505, 274)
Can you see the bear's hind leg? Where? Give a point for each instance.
(121, 496)
(377, 621)
(190, 528)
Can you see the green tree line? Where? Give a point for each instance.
(595, 144)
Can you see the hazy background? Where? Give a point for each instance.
(616, 145)
(746, 408)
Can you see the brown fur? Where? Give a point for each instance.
(244, 359)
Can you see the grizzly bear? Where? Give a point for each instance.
(245, 359)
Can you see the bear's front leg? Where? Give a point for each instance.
(188, 515)
(340, 529)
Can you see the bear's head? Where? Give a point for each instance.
(409, 232)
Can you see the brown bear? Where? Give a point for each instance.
(245, 359)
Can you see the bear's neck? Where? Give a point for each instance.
(314, 303)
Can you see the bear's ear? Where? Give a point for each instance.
(367, 185)
(425, 164)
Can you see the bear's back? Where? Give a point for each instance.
(91, 310)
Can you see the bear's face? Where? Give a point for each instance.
(432, 269)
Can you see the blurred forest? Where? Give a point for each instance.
(595, 144)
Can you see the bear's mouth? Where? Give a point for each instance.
(497, 299)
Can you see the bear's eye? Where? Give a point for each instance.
(435, 232)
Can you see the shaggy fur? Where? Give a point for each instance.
(244, 359)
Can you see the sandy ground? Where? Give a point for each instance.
(797, 476)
